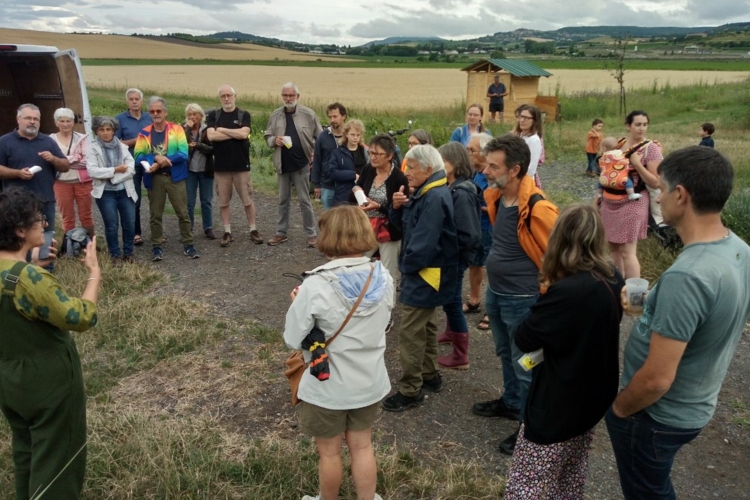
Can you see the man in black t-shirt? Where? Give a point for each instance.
(228, 129)
(496, 92)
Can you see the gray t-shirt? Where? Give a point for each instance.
(703, 300)
(509, 269)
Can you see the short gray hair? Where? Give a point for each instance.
(193, 106)
(155, 98)
(30, 106)
(484, 139)
(290, 85)
(218, 91)
(98, 122)
(64, 113)
(427, 156)
(133, 91)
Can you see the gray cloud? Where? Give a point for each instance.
(720, 10)
(426, 24)
(106, 6)
(324, 32)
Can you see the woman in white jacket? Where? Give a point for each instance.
(346, 402)
(111, 166)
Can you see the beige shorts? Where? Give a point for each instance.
(241, 182)
(324, 423)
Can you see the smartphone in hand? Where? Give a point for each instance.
(44, 250)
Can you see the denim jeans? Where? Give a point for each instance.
(506, 313)
(195, 181)
(454, 312)
(117, 209)
(137, 183)
(592, 165)
(645, 451)
(48, 210)
(326, 197)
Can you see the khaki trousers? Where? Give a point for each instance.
(418, 348)
(161, 188)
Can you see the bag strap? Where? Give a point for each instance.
(11, 279)
(354, 307)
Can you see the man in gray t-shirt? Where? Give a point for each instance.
(679, 351)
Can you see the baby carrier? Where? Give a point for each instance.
(616, 171)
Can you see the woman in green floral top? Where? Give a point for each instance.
(41, 385)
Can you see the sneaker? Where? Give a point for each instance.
(495, 408)
(434, 384)
(634, 196)
(508, 445)
(157, 254)
(277, 239)
(226, 239)
(209, 233)
(191, 252)
(312, 241)
(399, 402)
(255, 237)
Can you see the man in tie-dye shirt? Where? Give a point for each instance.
(164, 147)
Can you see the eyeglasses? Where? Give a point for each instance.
(377, 155)
(289, 96)
(524, 117)
(155, 111)
(226, 96)
(42, 219)
(473, 150)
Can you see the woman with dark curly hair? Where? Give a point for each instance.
(42, 395)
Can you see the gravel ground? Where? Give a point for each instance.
(244, 281)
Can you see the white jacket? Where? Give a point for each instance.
(356, 358)
(94, 164)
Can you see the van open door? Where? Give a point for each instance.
(74, 88)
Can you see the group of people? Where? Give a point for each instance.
(556, 289)
(555, 282)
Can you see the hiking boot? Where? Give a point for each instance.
(191, 252)
(277, 239)
(209, 233)
(495, 408)
(508, 445)
(129, 259)
(157, 254)
(255, 237)
(435, 384)
(226, 239)
(312, 241)
(399, 402)
(116, 260)
(458, 359)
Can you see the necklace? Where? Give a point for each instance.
(507, 205)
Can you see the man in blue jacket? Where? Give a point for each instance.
(429, 267)
(325, 144)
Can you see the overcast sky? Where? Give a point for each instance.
(355, 22)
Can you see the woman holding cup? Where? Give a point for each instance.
(576, 325)
(378, 182)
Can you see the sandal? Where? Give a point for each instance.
(484, 324)
(137, 241)
(471, 308)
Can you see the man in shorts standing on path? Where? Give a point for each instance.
(228, 129)
(679, 350)
(496, 92)
(292, 131)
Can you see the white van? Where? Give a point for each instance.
(45, 76)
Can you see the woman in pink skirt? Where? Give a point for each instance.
(626, 221)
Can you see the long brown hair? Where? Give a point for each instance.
(577, 243)
(537, 128)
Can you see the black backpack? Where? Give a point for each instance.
(75, 242)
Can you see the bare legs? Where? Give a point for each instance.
(476, 275)
(364, 469)
(625, 258)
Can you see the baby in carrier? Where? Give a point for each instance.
(616, 170)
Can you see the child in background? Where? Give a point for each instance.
(593, 141)
(707, 130)
(615, 169)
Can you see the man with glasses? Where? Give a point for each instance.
(131, 123)
(292, 131)
(25, 148)
(164, 146)
(228, 129)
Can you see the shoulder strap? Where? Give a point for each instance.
(635, 148)
(354, 307)
(11, 279)
(532, 201)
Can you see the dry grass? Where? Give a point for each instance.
(128, 47)
(369, 88)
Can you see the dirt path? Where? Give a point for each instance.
(244, 282)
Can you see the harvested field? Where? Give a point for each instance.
(129, 47)
(368, 87)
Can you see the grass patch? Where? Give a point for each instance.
(741, 413)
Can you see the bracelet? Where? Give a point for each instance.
(93, 279)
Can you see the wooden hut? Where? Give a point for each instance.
(521, 78)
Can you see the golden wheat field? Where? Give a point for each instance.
(128, 47)
(391, 88)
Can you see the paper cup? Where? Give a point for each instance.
(146, 165)
(287, 141)
(35, 169)
(636, 289)
(360, 196)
